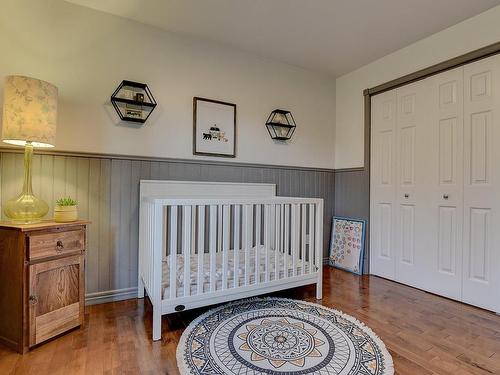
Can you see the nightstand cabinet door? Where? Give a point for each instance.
(55, 300)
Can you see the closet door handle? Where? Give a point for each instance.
(445, 196)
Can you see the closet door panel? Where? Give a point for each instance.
(444, 184)
(480, 248)
(448, 130)
(383, 184)
(410, 193)
(448, 238)
(482, 183)
(407, 233)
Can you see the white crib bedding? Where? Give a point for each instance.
(230, 271)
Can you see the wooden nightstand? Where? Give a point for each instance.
(42, 281)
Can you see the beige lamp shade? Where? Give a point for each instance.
(29, 112)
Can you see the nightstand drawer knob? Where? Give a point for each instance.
(33, 300)
(59, 246)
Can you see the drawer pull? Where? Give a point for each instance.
(446, 196)
(33, 300)
(407, 196)
(59, 246)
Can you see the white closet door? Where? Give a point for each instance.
(443, 184)
(383, 184)
(482, 183)
(411, 167)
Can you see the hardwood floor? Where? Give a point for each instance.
(425, 334)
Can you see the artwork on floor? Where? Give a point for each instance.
(347, 244)
(214, 128)
(280, 336)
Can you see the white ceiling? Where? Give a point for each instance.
(329, 36)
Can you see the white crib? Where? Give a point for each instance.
(202, 243)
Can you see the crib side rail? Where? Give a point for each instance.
(230, 201)
(210, 245)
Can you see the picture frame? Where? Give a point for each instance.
(347, 244)
(214, 128)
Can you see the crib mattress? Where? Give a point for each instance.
(230, 271)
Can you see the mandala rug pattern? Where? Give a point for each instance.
(280, 336)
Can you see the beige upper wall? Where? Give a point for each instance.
(88, 53)
(469, 35)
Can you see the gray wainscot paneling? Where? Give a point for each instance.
(108, 195)
(352, 199)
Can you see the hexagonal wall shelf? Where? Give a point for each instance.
(133, 101)
(281, 125)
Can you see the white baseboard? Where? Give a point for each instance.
(110, 296)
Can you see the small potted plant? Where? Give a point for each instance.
(65, 210)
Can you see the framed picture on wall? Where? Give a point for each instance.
(347, 244)
(214, 128)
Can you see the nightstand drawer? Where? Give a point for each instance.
(56, 243)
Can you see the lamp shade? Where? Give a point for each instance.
(29, 112)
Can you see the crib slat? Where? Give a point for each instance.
(297, 240)
(213, 246)
(236, 245)
(186, 248)
(193, 231)
(148, 262)
(151, 238)
(219, 228)
(201, 248)
(294, 232)
(143, 243)
(151, 243)
(277, 242)
(258, 222)
(267, 235)
(311, 237)
(219, 242)
(282, 241)
(247, 225)
(173, 251)
(286, 234)
(303, 238)
(225, 245)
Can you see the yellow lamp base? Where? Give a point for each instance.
(26, 208)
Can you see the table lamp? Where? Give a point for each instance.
(29, 120)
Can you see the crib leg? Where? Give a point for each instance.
(156, 324)
(319, 290)
(140, 287)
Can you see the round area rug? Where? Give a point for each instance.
(280, 336)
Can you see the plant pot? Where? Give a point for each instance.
(65, 214)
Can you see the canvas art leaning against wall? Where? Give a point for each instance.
(347, 244)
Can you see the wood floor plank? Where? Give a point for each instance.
(425, 334)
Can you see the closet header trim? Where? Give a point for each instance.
(455, 62)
